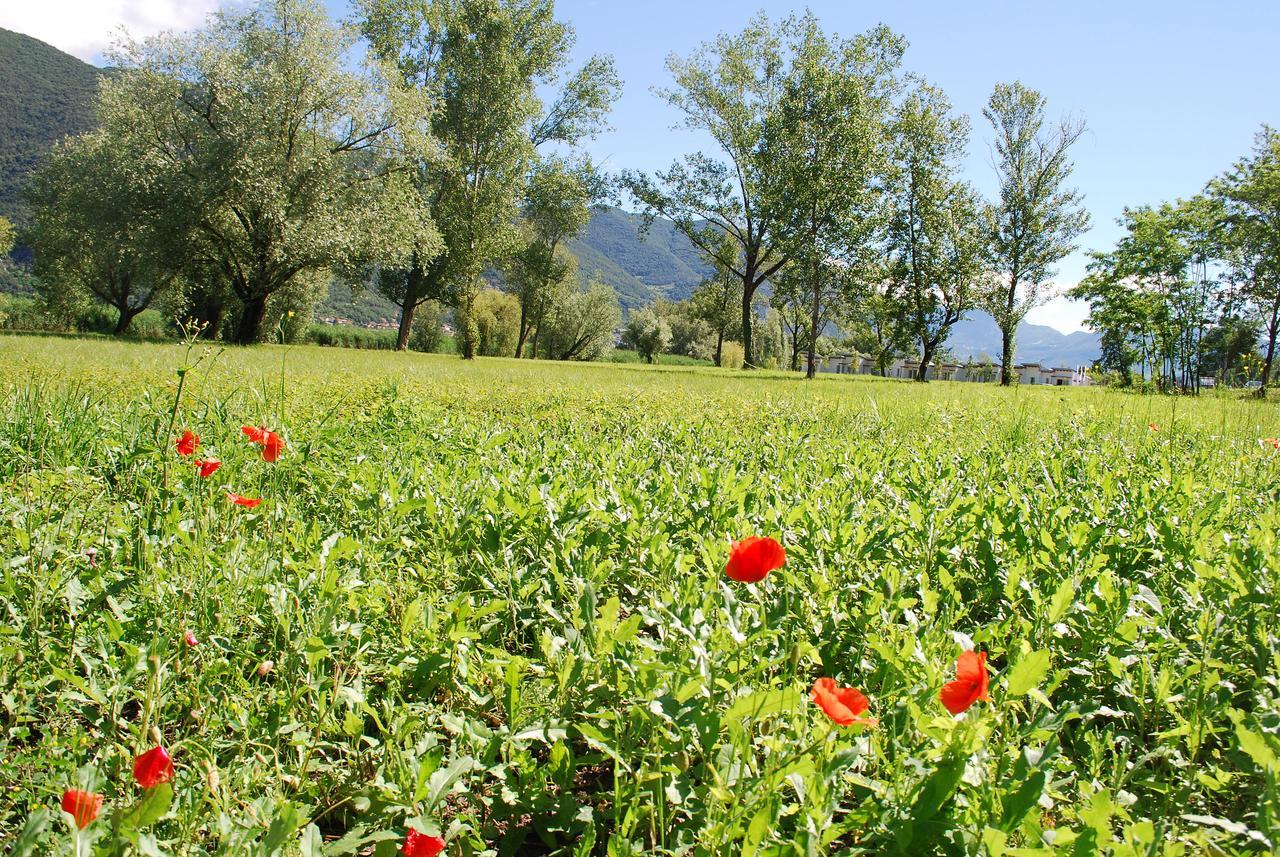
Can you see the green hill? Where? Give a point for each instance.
(44, 95)
(660, 263)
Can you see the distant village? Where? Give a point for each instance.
(854, 363)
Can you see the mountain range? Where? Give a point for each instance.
(46, 94)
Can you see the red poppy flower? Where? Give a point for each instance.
(1274, 442)
(751, 559)
(844, 705)
(247, 502)
(970, 684)
(153, 768)
(207, 466)
(82, 806)
(270, 442)
(420, 845)
(187, 443)
(1153, 426)
(189, 638)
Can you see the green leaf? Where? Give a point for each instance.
(1027, 673)
(763, 704)
(154, 804)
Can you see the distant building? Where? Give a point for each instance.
(853, 363)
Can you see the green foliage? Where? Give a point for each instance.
(349, 336)
(8, 236)
(493, 603)
(102, 225)
(1037, 217)
(648, 333)
(45, 95)
(934, 236)
(1248, 197)
(287, 166)
(582, 325)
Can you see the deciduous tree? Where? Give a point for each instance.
(1037, 218)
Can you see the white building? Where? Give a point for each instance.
(853, 363)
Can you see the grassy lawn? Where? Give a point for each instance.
(488, 600)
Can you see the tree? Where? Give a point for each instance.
(648, 333)
(481, 63)
(101, 225)
(582, 326)
(1153, 293)
(1249, 195)
(934, 237)
(717, 300)
(825, 139)
(1037, 218)
(8, 236)
(291, 163)
(727, 89)
(557, 206)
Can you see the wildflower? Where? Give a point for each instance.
(751, 559)
(844, 705)
(206, 466)
(187, 443)
(189, 638)
(420, 845)
(1153, 427)
(970, 684)
(92, 555)
(82, 806)
(1273, 442)
(153, 768)
(270, 442)
(265, 668)
(247, 502)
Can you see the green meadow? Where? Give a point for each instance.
(486, 599)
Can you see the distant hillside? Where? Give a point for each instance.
(44, 95)
(1037, 343)
(661, 263)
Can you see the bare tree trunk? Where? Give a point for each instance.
(1006, 357)
(127, 314)
(748, 353)
(719, 346)
(1273, 327)
(524, 330)
(815, 313)
(926, 357)
(406, 324)
(252, 315)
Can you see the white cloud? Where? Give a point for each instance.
(1063, 314)
(85, 28)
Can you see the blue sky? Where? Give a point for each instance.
(1172, 91)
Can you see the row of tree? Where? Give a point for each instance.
(238, 168)
(1192, 286)
(836, 182)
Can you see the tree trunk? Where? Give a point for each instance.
(814, 312)
(1006, 357)
(748, 353)
(406, 324)
(524, 330)
(926, 357)
(1273, 327)
(127, 314)
(719, 346)
(252, 315)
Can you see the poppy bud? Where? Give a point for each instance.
(153, 768)
(189, 638)
(265, 667)
(82, 806)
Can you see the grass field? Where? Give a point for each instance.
(488, 601)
